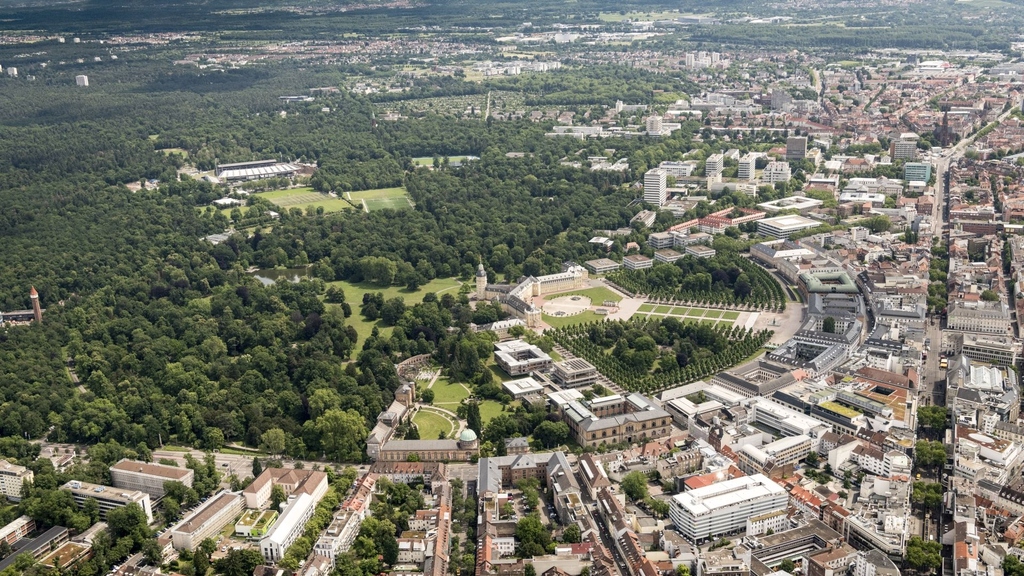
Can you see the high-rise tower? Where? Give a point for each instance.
(37, 312)
(481, 282)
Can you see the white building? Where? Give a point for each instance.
(81, 80)
(654, 125)
(776, 521)
(522, 387)
(714, 165)
(677, 169)
(288, 528)
(724, 507)
(338, 537)
(655, 186)
(747, 168)
(12, 478)
(784, 226)
(776, 172)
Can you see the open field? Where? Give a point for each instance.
(303, 197)
(354, 296)
(431, 424)
(429, 160)
(638, 16)
(179, 151)
(394, 198)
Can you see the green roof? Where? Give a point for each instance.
(839, 409)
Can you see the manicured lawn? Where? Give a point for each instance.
(449, 394)
(708, 322)
(730, 315)
(663, 309)
(713, 314)
(695, 312)
(560, 321)
(679, 311)
(431, 424)
(646, 308)
(303, 197)
(597, 296)
(489, 409)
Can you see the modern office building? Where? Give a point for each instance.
(207, 521)
(714, 165)
(517, 357)
(108, 497)
(784, 226)
(12, 478)
(288, 527)
(904, 148)
(782, 452)
(17, 529)
(776, 172)
(522, 387)
(920, 171)
(574, 373)
(637, 262)
(747, 168)
(655, 186)
(723, 508)
(700, 251)
(796, 147)
(999, 350)
(677, 169)
(148, 477)
(654, 125)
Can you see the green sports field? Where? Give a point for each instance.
(393, 198)
(303, 197)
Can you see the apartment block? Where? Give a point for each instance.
(288, 527)
(655, 186)
(148, 477)
(12, 478)
(207, 521)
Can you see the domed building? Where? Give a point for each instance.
(461, 450)
(468, 440)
